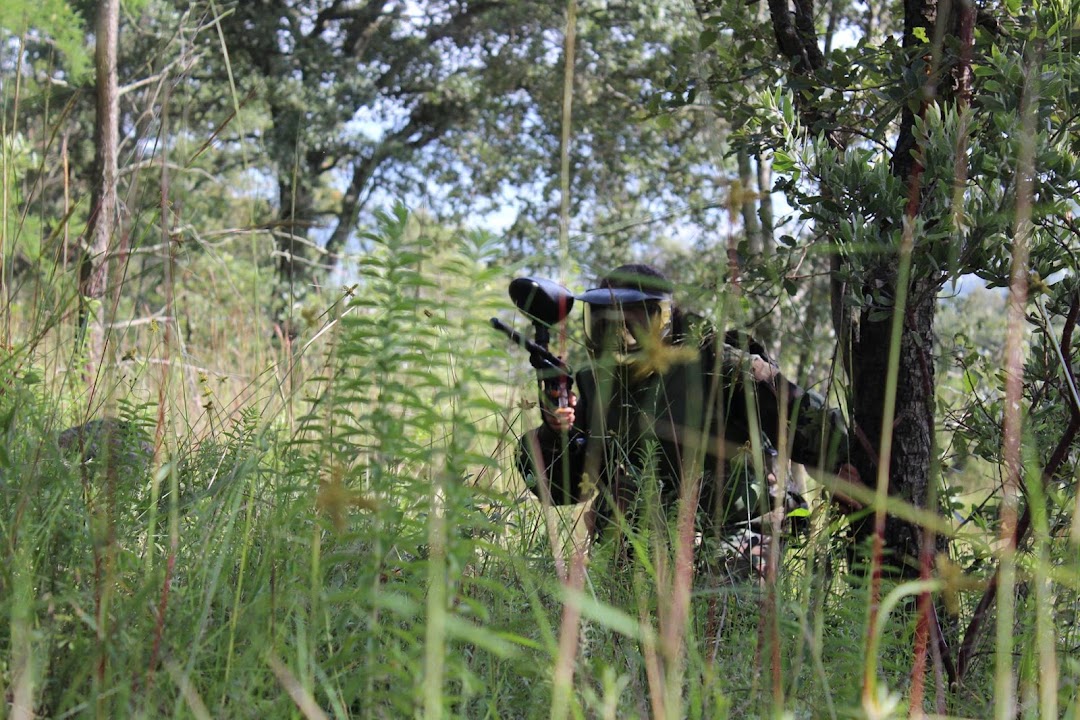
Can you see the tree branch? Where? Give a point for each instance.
(793, 38)
(1061, 452)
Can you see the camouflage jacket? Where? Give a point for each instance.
(713, 413)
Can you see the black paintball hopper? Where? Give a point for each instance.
(547, 304)
(544, 301)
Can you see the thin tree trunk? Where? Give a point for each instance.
(352, 202)
(747, 204)
(832, 25)
(93, 283)
(765, 205)
(94, 272)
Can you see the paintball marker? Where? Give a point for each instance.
(546, 303)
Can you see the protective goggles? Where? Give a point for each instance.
(618, 319)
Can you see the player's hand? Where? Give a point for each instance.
(561, 419)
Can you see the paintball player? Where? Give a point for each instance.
(662, 402)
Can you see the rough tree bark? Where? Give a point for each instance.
(93, 282)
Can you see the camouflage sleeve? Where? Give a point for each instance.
(553, 464)
(820, 435)
(816, 433)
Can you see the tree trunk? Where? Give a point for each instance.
(913, 424)
(297, 216)
(747, 202)
(102, 222)
(765, 206)
(297, 171)
(94, 270)
(352, 202)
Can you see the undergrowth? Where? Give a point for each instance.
(363, 549)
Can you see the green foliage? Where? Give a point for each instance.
(48, 24)
(26, 232)
(449, 107)
(878, 144)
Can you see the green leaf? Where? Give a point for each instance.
(920, 34)
(971, 380)
(7, 420)
(782, 162)
(461, 629)
(789, 109)
(57, 20)
(707, 38)
(604, 614)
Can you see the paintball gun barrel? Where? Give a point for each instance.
(539, 356)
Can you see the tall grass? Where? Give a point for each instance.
(376, 557)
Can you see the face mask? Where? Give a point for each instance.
(620, 329)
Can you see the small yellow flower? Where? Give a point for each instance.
(657, 356)
(310, 314)
(952, 575)
(335, 499)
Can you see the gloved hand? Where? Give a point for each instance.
(560, 419)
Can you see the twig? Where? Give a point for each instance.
(301, 260)
(942, 661)
(147, 80)
(159, 622)
(184, 366)
(138, 321)
(150, 163)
